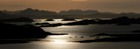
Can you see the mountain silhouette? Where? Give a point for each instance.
(73, 13)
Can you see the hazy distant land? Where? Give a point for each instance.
(73, 13)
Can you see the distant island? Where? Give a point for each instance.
(27, 15)
(73, 13)
(132, 37)
(124, 20)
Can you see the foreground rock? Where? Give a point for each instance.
(8, 31)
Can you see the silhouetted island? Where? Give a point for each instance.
(20, 19)
(133, 37)
(72, 13)
(10, 31)
(124, 20)
(47, 24)
(136, 31)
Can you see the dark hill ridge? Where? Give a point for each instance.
(5, 15)
(9, 31)
(36, 13)
(20, 19)
(124, 20)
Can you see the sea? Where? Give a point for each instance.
(79, 33)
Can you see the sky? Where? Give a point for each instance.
(58, 5)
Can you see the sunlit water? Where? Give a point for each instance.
(93, 29)
(76, 33)
(53, 45)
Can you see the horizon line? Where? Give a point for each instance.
(63, 10)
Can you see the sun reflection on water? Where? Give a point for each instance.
(56, 39)
(59, 41)
(58, 36)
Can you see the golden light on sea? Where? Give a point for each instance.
(59, 41)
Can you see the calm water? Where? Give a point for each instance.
(75, 34)
(96, 45)
(93, 29)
